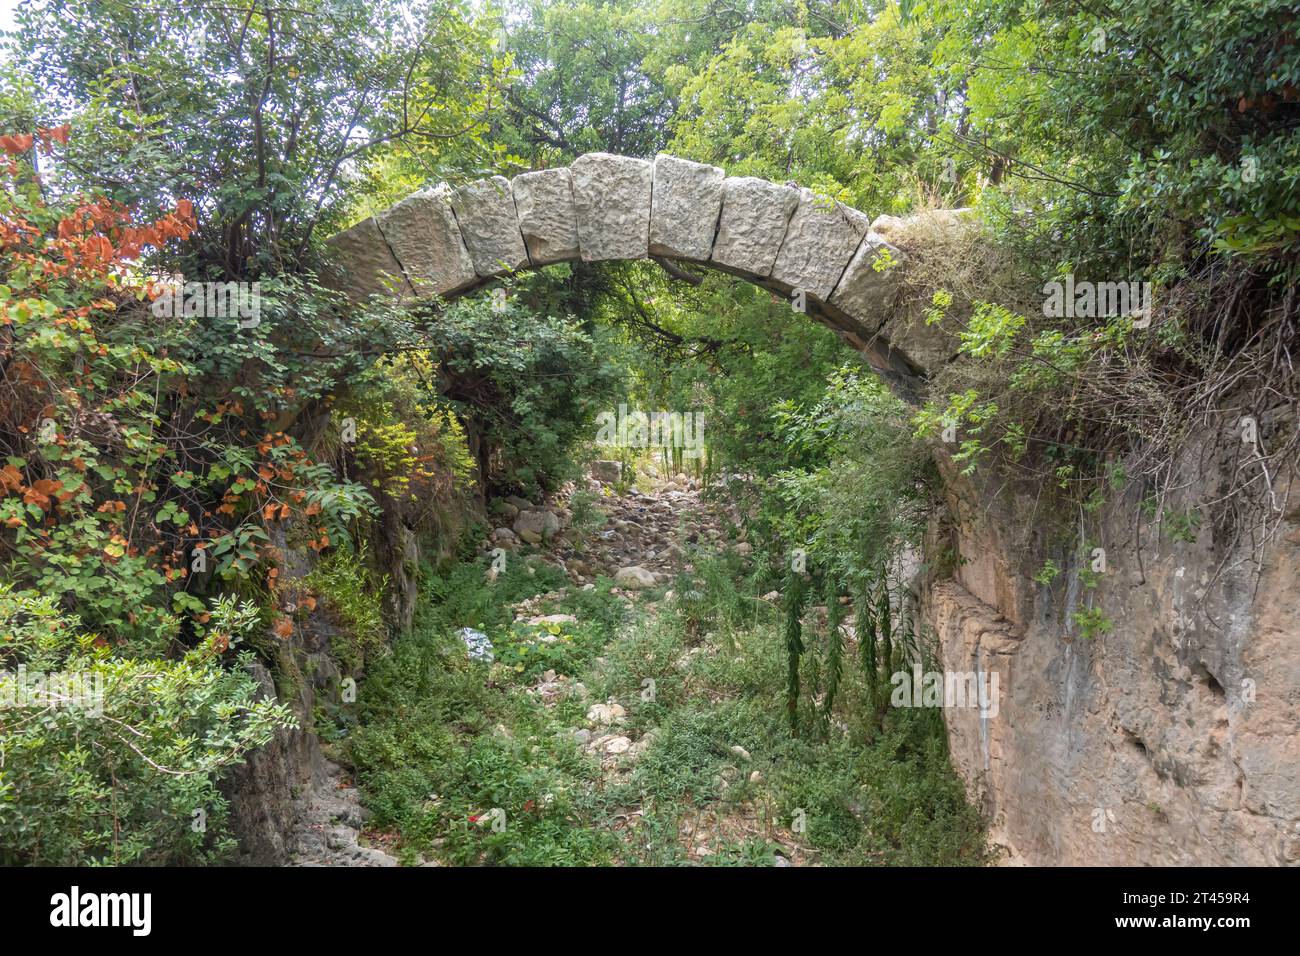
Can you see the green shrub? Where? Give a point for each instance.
(351, 592)
(125, 771)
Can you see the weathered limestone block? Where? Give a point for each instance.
(819, 242)
(422, 231)
(899, 230)
(754, 217)
(364, 264)
(936, 239)
(685, 207)
(612, 197)
(485, 213)
(867, 289)
(547, 219)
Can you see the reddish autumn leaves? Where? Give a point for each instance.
(17, 144)
(41, 493)
(97, 237)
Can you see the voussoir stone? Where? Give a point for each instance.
(686, 202)
(485, 212)
(754, 217)
(869, 285)
(611, 195)
(547, 219)
(819, 242)
(364, 265)
(422, 232)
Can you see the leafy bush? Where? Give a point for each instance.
(124, 769)
(351, 591)
(527, 386)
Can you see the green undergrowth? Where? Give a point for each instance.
(444, 742)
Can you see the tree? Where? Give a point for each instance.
(260, 112)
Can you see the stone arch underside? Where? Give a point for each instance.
(448, 242)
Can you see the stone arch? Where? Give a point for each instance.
(824, 256)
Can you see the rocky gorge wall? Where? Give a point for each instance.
(1174, 739)
(284, 800)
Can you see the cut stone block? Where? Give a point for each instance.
(364, 265)
(612, 197)
(547, 219)
(422, 231)
(865, 292)
(485, 213)
(685, 206)
(819, 242)
(754, 217)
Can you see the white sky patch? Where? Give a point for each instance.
(7, 8)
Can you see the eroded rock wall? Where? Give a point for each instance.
(1173, 739)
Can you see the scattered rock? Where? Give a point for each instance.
(554, 619)
(606, 714)
(607, 471)
(635, 577)
(740, 752)
(536, 526)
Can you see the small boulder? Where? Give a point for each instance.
(617, 745)
(635, 577)
(553, 619)
(606, 714)
(608, 472)
(536, 526)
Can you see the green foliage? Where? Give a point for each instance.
(438, 746)
(1181, 525)
(263, 111)
(527, 387)
(586, 517)
(857, 488)
(1047, 573)
(891, 801)
(354, 595)
(126, 773)
(409, 448)
(1092, 622)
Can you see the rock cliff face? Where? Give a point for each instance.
(270, 791)
(277, 793)
(1172, 739)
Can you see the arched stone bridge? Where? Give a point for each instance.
(825, 256)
